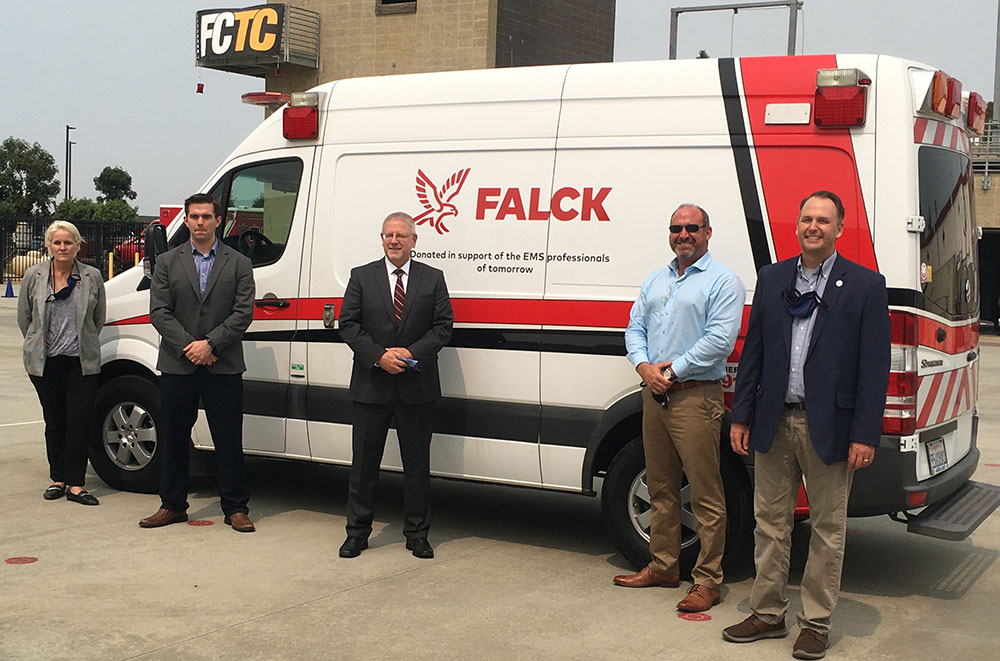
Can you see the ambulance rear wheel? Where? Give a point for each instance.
(125, 448)
(626, 509)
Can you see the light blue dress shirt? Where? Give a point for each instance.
(802, 328)
(203, 264)
(692, 320)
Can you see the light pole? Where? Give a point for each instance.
(69, 160)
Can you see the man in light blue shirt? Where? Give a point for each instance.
(681, 329)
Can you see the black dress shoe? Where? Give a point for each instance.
(83, 498)
(55, 492)
(353, 546)
(421, 547)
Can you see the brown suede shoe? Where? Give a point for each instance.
(699, 598)
(163, 518)
(240, 522)
(647, 578)
(810, 644)
(753, 628)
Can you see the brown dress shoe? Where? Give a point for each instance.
(753, 628)
(240, 522)
(699, 598)
(647, 578)
(810, 644)
(163, 518)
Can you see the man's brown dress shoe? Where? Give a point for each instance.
(753, 628)
(240, 522)
(647, 578)
(163, 518)
(699, 598)
(810, 644)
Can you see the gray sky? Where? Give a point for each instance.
(122, 71)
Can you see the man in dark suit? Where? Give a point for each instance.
(810, 393)
(396, 317)
(201, 303)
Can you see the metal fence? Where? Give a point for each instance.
(110, 246)
(986, 150)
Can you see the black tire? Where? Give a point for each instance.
(124, 447)
(623, 508)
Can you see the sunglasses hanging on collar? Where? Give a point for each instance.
(798, 304)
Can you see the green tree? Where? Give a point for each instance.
(117, 211)
(703, 55)
(27, 178)
(115, 184)
(77, 208)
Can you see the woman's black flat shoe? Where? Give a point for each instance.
(55, 492)
(83, 498)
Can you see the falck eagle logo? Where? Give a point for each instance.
(437, 203)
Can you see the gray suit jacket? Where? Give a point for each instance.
(368, 326)
(180, 316)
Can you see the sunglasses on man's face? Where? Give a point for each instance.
(691, 228)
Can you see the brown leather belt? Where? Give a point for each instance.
(795, 406)
(684, 385)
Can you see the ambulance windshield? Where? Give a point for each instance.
(949, 270)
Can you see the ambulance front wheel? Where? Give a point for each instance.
(125, 448)
(626, 510)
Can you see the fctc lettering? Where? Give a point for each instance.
(512, 204)
(226, 32)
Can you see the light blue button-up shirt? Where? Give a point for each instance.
(203, 264)
(692, 320)
(806, 280)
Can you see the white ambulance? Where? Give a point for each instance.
(544, 195)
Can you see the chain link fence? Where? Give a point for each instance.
(112, 247)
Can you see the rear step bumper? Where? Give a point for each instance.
(957, 516)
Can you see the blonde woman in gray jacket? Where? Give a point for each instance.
(61, 310)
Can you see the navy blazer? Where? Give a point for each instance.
(368, 326)
(846, 370)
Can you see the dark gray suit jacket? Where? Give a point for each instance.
(180, 316)
(368, 326)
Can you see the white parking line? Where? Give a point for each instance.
(17, 424)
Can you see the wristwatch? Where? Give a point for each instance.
(212, 345)
(669, 373)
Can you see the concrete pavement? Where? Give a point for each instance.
(518, 573)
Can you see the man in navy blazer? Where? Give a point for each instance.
(810, 393)
(396, 317)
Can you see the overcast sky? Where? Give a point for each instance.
(122, 71)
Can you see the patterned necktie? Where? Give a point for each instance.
(399, 295)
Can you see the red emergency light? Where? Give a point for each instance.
(946, 95)
(300, 120)
(841, 98)
(976, 115)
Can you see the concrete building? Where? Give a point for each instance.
(316, 41)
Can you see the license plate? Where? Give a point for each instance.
(937, 458)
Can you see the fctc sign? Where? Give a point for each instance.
(234, 34)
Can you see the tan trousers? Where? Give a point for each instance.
(685, 437)
(776, 475)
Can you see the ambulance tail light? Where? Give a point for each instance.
(946, 95)
(976, 116)
(900, 416)
(841, 98)
(300, 119)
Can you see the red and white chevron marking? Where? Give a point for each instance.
(931, 132)
(946, 395)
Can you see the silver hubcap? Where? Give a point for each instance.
(639, 512)
(129, 436)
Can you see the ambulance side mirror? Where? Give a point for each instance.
(156, 244)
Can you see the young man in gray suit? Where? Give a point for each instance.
(201, 303)
(396, 317)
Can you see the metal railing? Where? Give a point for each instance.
(105, 244)
(985, 150)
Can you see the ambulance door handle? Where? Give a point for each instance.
(971, 356)
(279, 303)
(329, 315)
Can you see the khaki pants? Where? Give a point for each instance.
(777, 474)
(685, 437)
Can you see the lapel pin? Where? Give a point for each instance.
(840, 283)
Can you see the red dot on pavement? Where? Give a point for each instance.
(694, 617)
(993, 465)
(23, 560)
(200, 522)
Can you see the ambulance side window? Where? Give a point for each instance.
(260, 205)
